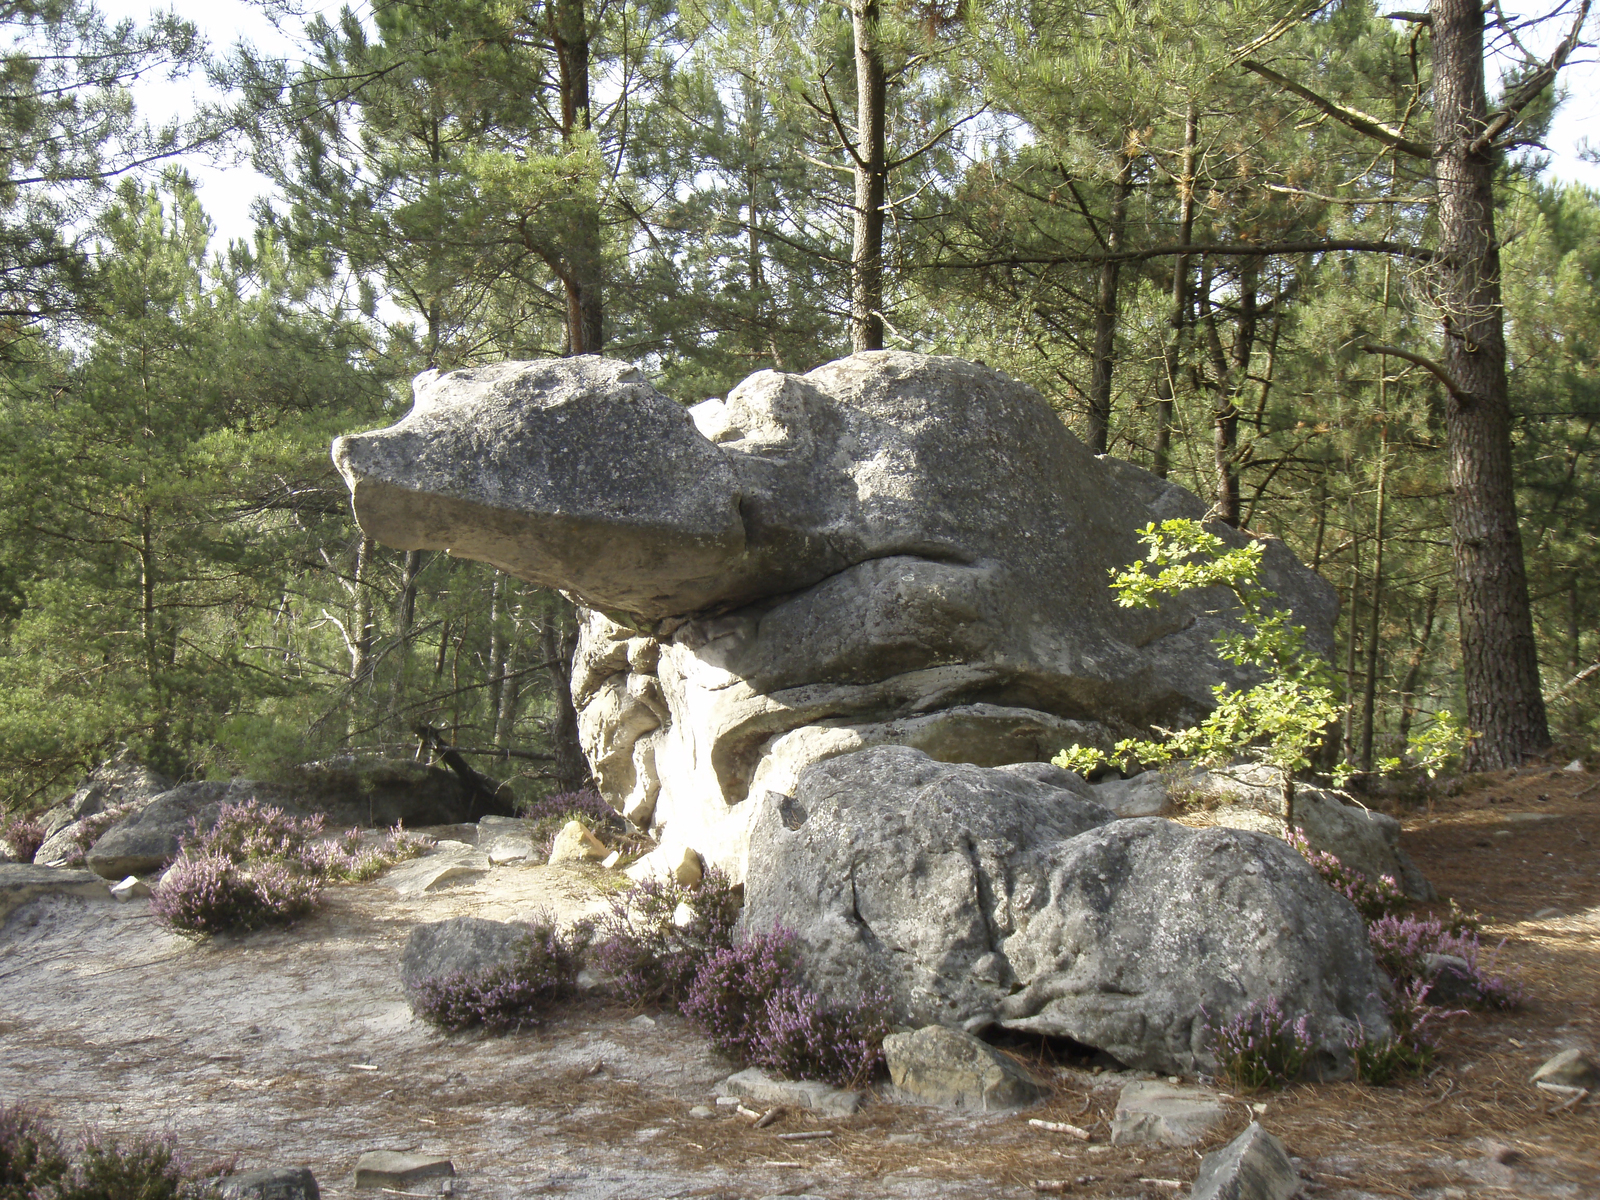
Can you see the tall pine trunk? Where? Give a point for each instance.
(579, 267)
(1105, 312)
(871, 180)
(1178, 312)
(1499, 663)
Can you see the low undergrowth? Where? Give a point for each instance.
(258, 866)
(22, 837)
(512, 996)
(547, 816)
(676, 946)
(36, 1164)
(1262, 1047)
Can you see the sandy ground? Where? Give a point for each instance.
(296, 1047)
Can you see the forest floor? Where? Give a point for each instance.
(296, 1047)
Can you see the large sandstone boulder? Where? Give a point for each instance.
(890, 550)
(461, 946)
(981, 896)
(120, 782)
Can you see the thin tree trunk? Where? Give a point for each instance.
(1105, 313)
(1350, 644)
(1419, 655)
(1375, 609)
(1233, 372)
(580, 260)
(361, 593)
(1500, 666)
(497, 643)
(1177, 316)
(558, 642)
(871, 181)
(405, 622)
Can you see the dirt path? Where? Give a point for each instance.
(297, 1047)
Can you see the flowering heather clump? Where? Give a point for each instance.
(258, 866)
(1261, 1047)
(510, 997)
(656, 938)
(1373, 898)
(807, 1037)
(24, 836)
(1402, 946)
(1411, 1049)
(728, 999)
(35, 1166)
(564, 806)
(31, 1160)
(213, 894)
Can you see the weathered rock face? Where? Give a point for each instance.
(462, 946)
(890, 550)
(1000, 896)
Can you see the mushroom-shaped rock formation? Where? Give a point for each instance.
(892, 549)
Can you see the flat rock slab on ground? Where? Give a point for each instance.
(756, 1085)
(22, 882)
(272, 1183)
(398, 1169)
(1164, 1112)
(956, 1070)
(446, 863)
(1254, 1166)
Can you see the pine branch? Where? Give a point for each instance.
(1533, 86)
(1455, 389)
(1361, 122)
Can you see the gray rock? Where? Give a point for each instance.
(978, 896)
(1570, 1068)
(576, 844)
(1450, 980)
(756, 1085)
(398, 1169)
(131, 888)
(464, 946)
(444, 863)
(1145, 795)
(892, 549)
(702, 1112)
(1161, 1112)
(22, 882)
(953, 1069)
(510, 848)
(144, 842)
(64, 847)
(119, 783)
(271, 1183)
(1254, 1166)
(379, 792)
(1363, 840)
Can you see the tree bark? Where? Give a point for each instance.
(1419, 655)
(1177, 315)
(579, 267)
(871, 181)
(558, 638)
(1105, 312)
(1369, 697)
(1500, 667)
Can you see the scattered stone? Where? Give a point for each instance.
(131, 888)
(702, 1112)
(22, 882)
(610, 861)
(588, 981)
(446, 862)
(1575, 766)
(1254, 1166)
(689, 870)
(1571, 1068)
(1450, 979)
(1549, 914)
(459, 946)
(1159, 1112)
(815, 565)
(495, 826)
(576, 844)
(509, 850)
(396, 1169)
(1145, 795)
(953, 1069)
(643, 1021)
(755, 1084)
(271, 1183)
(979, 896)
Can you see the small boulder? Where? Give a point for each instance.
(510, 848)
(144, 842)
(1145, 795)
(446, 862)
(953, 1069)
(1254, 1166)
(756, 1085)
(1161, 1112)
(131, 888)
(465, 946)
(397, 1169)
(272, 1183)
(1571, 1068)
(576, 844)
